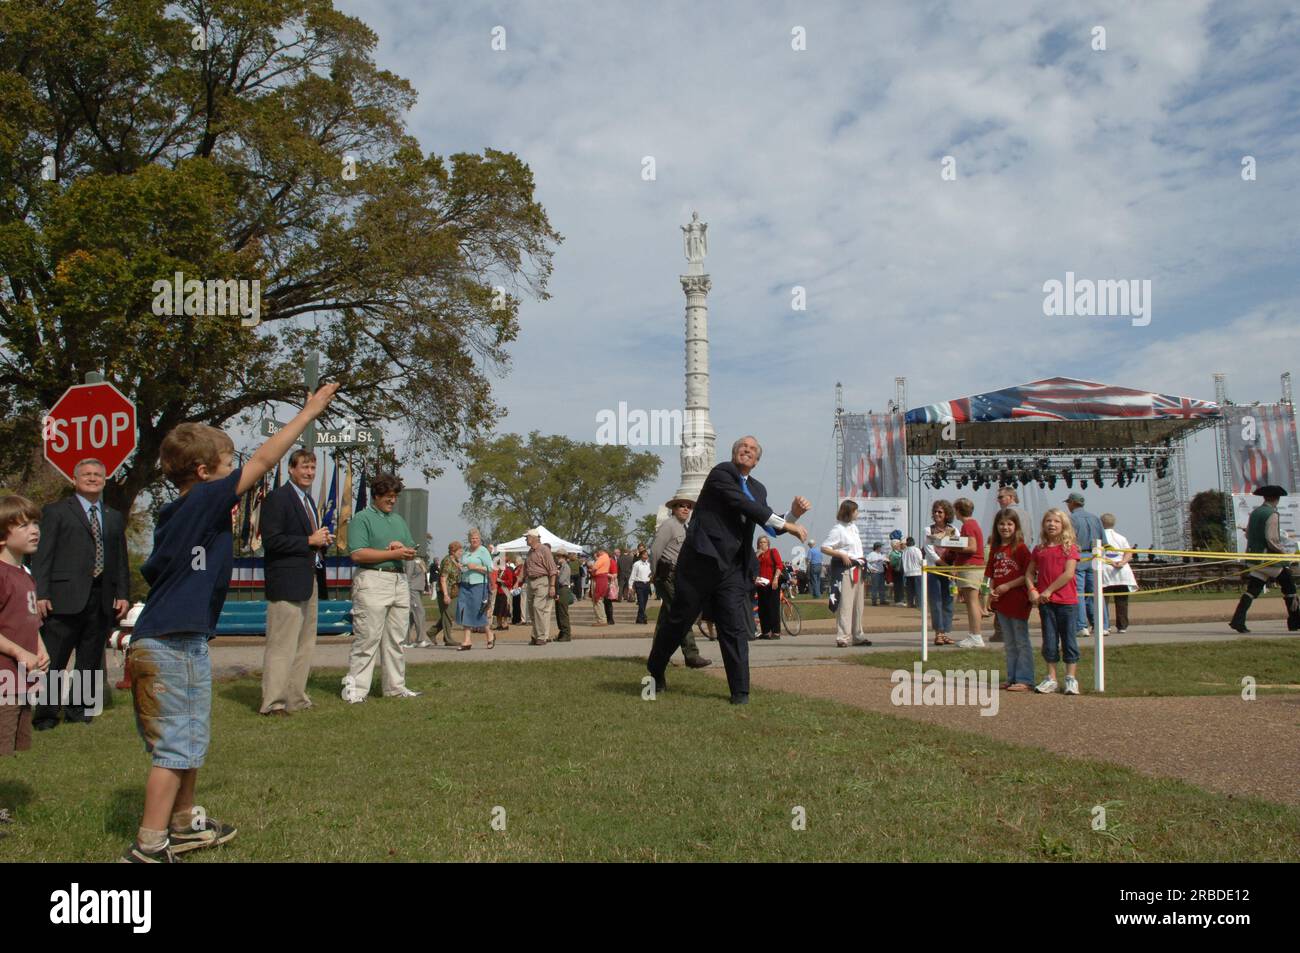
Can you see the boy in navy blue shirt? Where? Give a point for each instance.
(188, 574)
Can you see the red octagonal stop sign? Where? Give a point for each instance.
(89, 420)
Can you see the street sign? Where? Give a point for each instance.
(351, 436)
(89, 420)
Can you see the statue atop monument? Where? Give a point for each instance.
(695, 239)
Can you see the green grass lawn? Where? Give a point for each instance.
(1178, 668)
(586, 770)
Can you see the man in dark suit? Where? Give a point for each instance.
(294, 543)
(81, 588)
(717, 564)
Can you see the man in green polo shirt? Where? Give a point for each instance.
(378, 541)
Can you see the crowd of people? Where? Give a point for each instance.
(77, 588)
(1017, 572)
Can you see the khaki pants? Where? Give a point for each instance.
(848, 616)
(290, 645)
(541, 605)
(381, 610)
(446, 616)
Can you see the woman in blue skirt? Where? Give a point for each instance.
(475, 590)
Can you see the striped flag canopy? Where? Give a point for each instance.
(1064, 398)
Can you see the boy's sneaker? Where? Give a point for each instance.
(1046, 687)
(971, 642)
(135, 854)
(1071, 685)
(212, 833)
(403, 693)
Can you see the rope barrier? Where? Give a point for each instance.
(939, 571)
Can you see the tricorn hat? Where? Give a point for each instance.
(1271, 490)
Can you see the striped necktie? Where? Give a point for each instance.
(97, 533)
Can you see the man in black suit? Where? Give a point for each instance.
(717, 564)
(294, 543)
(81, 588)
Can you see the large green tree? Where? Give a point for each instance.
(579, 491)
(244, 139)
(1207, 519)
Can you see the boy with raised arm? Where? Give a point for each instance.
(188, 574)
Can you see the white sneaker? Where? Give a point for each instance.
(1083, 633)
(403, 693)
(424, 644)
(354, 698)
(842, 643)
(1071, 685)
(971, 642)
(348, 685)
(1046, 687)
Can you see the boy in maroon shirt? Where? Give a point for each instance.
(22, 653)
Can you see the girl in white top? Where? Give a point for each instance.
(938, 589)
(844, 546)
(1117, 577)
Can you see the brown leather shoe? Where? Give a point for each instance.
(699, 661)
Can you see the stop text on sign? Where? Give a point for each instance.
(87, 432)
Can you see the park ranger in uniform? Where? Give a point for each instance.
(663, 558)
(1263, 535)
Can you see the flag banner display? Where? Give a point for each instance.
(1063, 398)
(878, 517)
(875, 456)
(1260, 446)
(346, 514)
(330, 513)
(249, 572)
(1288, 520)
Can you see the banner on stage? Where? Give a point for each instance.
(1288, 519)
(875, 456)
(1261, 441)
(878, 517)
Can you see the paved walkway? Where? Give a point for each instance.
(231, 656)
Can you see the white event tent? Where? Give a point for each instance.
(558, 545)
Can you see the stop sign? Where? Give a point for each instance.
(89, 420)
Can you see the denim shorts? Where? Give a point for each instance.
(1058, 632)
(171, 691)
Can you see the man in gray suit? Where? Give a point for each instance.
(81, 587)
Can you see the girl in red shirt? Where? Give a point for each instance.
(1004, 579)
(1052, 565)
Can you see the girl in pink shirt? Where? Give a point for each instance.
(1051, 566)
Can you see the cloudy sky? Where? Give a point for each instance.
(821, 168)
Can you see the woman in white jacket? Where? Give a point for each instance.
(1116, 573)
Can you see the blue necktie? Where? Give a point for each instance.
(744, 488)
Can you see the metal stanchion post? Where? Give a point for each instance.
(1098, 618)
(925, 615)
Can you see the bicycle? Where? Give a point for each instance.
(791, 617)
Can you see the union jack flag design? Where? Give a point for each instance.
(1063, 398)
